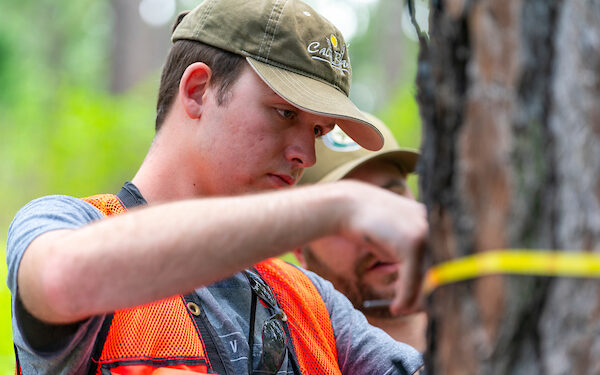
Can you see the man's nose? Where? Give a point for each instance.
(302, 150)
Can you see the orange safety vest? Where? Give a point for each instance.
(174, 333)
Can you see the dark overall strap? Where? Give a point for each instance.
(214, 348)
(99, 344)
(130, 196)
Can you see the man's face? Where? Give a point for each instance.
(254, 141)
(351, 267)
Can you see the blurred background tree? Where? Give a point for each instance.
(78, 83)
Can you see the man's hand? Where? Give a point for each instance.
(394, 228)
(409, 286)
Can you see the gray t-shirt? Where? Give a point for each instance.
(49, 349)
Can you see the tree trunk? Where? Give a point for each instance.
(509, 94)
(138, 49)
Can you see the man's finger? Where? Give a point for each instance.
(410, 296)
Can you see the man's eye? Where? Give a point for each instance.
(320, 130)
(287, 113)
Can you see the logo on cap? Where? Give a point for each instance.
(337, 140)
(330, 53)
(333, 40)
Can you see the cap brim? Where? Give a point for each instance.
(405, 159)
(313, 95)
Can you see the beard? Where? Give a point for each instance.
(353, 285)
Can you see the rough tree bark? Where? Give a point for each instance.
(509, 93)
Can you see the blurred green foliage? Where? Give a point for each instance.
(62, 132)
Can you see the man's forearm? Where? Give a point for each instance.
(154, 252)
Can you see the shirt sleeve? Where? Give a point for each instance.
(44, 348)
(361, 347)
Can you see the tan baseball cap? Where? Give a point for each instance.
(338, 155)
(296, 51)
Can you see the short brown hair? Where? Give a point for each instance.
(225, 66)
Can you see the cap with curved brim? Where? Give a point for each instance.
(314, 95)
(405, 159)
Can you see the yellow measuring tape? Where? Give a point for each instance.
(520, 262)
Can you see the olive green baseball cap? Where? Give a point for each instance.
(338, 155)
(296, 51)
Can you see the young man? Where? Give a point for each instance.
(166, 276)
(353, 268)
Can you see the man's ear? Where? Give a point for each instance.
(300, 256)
(192, 87)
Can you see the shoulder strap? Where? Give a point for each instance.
(131, 196)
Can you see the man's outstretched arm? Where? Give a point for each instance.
(155, 252)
